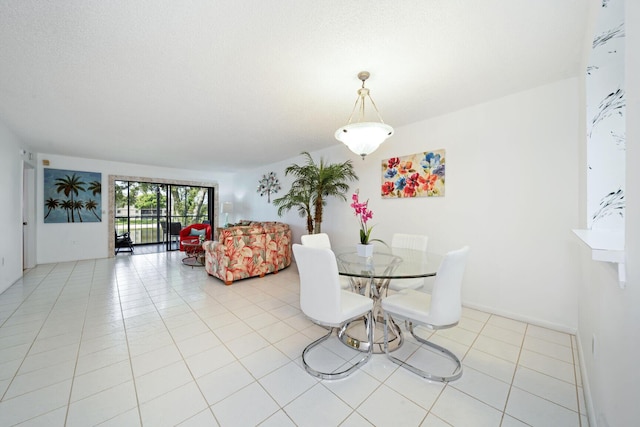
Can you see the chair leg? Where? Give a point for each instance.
(457, 372)
(345, 372)
(128, 248)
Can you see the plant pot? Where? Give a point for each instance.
(364, 250)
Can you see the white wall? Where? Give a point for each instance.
(606, 312)
(66, 242)
(11, 187)
(248, 203)
(511, 194)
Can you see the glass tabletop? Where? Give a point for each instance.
(192, 244)
(387, 263)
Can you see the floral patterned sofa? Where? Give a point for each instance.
(243, 251)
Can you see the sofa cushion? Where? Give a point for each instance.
(240, 230)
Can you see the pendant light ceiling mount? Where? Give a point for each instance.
(363, 137)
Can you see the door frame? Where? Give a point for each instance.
(28, 215)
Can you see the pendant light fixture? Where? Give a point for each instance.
(362, 137)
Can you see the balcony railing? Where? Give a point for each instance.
(147, 229)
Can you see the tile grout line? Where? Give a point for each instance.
(23, 299)
(446, 385)
(513, 377)
(542, 373)
(575, 377)
(164, 278)
(126, 337)
(257, 380)
(89, 372)
(75, 367)
(69, 277)
(35, 338)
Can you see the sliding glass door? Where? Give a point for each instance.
(154, 213)
(188, 205)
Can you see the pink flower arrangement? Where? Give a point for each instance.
(364, 214)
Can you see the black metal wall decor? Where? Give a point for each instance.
(268, 184)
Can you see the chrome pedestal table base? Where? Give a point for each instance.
(370, 276)
(354, 333)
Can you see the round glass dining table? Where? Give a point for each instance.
(370, 276)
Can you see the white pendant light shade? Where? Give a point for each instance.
(363, 137)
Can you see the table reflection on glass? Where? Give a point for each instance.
(370, 276)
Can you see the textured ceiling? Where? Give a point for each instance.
(213, 84)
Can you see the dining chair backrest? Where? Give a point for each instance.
(318, 240)
(417, 242)
(319, 285)
(321, 240)
(174, 228)
(446, 303)
(410, 241)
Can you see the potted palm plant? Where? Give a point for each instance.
(313, 184)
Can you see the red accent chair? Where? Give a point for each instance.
(191, 233)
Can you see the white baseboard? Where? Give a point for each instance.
(10, 282)
(527, 319)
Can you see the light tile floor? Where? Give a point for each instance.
(144, 340)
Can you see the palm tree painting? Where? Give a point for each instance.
(72, 196)
(91, 205)
(51, 204)
(67, 205)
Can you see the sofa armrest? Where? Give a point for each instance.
(210, 245)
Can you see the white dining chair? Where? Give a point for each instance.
(439, 310)
(325, 303)
(416, 242)
(321, 240)
(318, 240)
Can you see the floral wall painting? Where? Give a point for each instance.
(416, 175)
(72, 196)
